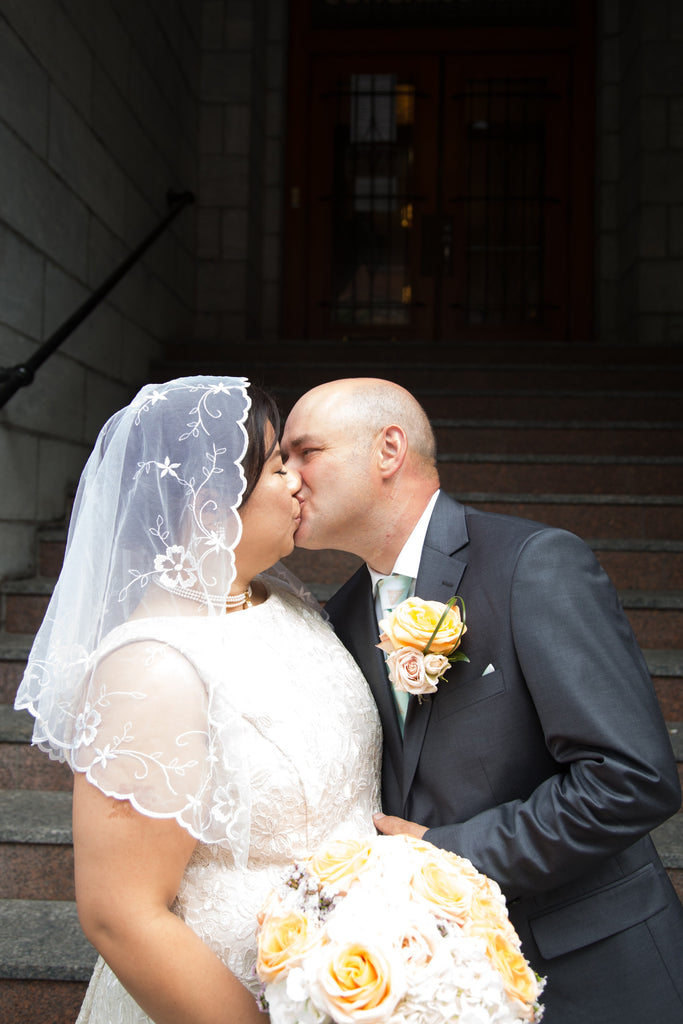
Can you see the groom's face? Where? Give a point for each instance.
(320, 444)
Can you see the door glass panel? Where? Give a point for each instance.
(505, 201)
(372, 200)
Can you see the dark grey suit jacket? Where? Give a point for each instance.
(547, 772)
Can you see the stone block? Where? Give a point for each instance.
(661, 67)
(608, 108)
(608, 17)
(225, 181)
(102, 398)
(209, 233)
(19, 473)
(653, 232)
(53, 403)
(277, 21)
(221, 286)
(676, 122)
(676, 231)
(606, 211)
(57, 44)
(106, 252)
(608, 158)
(138, 351)
(608, 257)
(21, 284)
(96, 341)
(17, 549)
(608, 59)
(653, 120)
(100, 25)
(272, 210)
(662, 177)
(673, 329)
(59, 467)
(213, 25)
(659, 287)
(272, 258)
(211, 128)
(23, 91)
(226, 79)
(40, 206)
(237, 130)
(234, 226)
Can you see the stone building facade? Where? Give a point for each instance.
(105, 105)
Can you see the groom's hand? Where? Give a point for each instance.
(391, 826)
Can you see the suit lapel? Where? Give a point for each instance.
(438, 579)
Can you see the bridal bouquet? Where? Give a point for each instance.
(392, 930)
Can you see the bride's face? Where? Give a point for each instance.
(270, 516)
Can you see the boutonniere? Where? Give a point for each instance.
(421, 639)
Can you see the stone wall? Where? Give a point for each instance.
(639, 184)
(240, 190)
(99, 117)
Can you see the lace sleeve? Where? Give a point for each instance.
(146, 733)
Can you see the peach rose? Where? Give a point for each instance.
(340, 860)
(412, 623)
(282, 942)
(435, 665)
(449, 893)
(519, 980)
(489, 914)
(358, 983)
(407, 671)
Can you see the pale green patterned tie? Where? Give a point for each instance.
(392, 590)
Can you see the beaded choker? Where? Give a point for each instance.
(242, 600)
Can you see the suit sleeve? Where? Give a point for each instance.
(616, 776)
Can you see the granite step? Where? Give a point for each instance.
(36, 848)
(588, 355)
(656, 617)
(641, 517)
(416, 375)
(563, 474)
(645, 564)
(23, 766)
(542, 406)
(570, 437)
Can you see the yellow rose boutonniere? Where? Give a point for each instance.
(421, 639)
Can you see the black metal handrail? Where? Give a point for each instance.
(14, 377)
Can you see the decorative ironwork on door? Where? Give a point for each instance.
(505, 201)
(372, 201)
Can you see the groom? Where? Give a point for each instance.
(544, 759)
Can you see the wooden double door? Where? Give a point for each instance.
(438, 196)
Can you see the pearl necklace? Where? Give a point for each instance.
(231, 601)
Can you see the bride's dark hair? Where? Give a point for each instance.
(263, 411)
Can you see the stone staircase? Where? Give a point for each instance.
(585, 437)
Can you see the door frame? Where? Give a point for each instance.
(576, 40)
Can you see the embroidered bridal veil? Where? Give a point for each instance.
(156, 510)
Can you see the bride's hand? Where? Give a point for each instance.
(391, 826)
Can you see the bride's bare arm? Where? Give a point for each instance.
(128, 869)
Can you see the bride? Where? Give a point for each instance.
(216, 728)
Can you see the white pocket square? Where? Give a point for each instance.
(489, 668)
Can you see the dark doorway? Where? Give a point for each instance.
(437, 190)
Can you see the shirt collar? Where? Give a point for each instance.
(408, 561)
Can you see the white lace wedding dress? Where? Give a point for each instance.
(280, 743)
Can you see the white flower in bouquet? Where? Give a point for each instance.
(392, 931)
